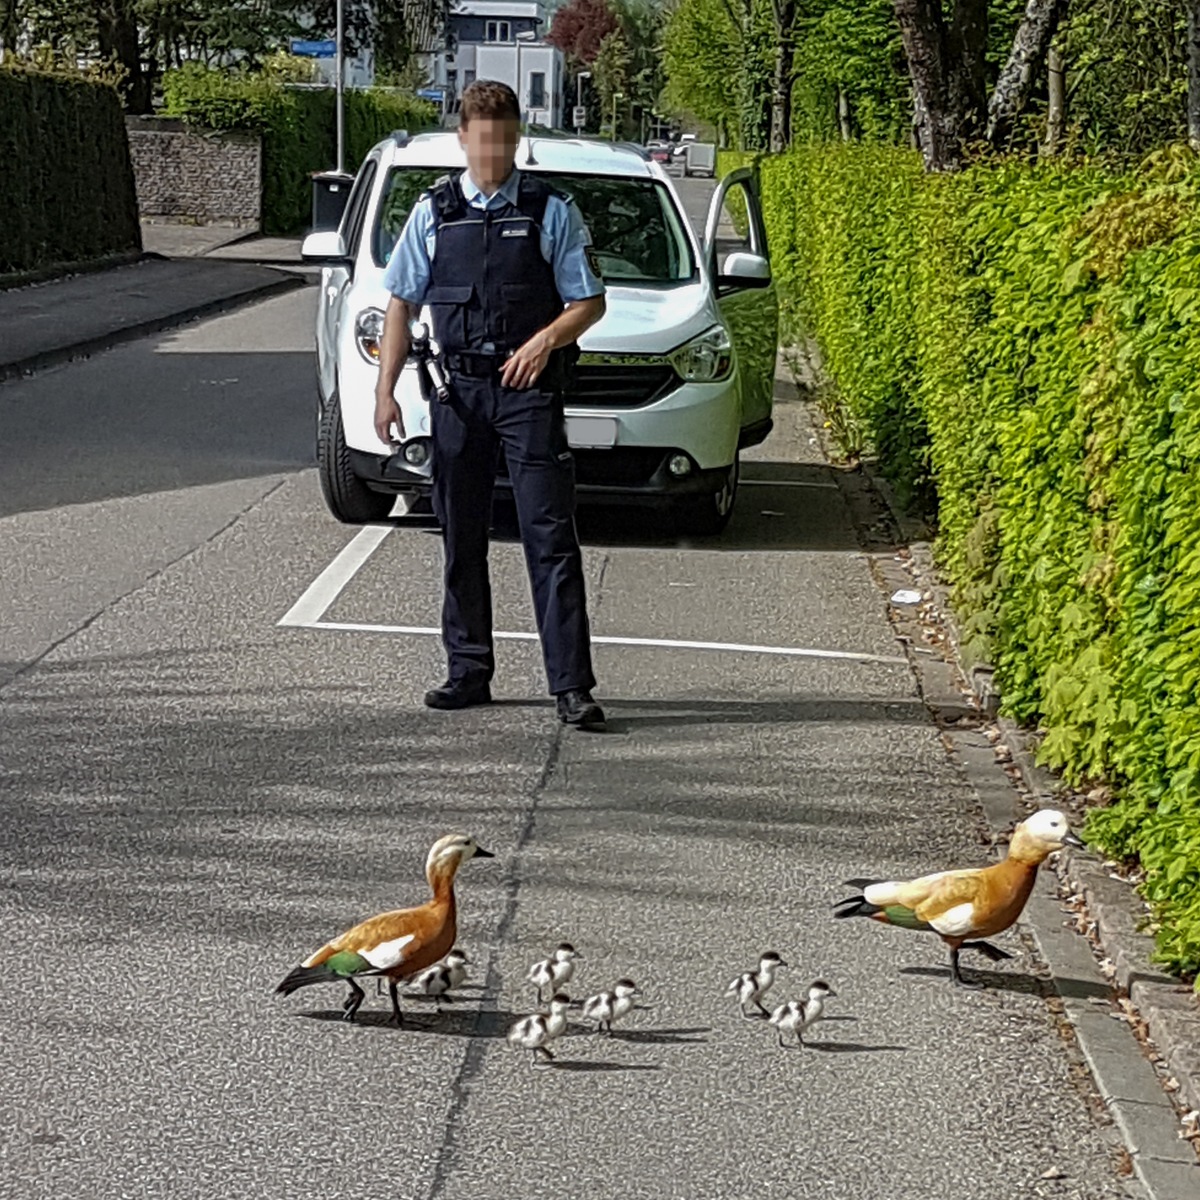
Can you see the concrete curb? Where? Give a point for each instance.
(169, 320)
(957, 693)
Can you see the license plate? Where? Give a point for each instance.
(592, 433)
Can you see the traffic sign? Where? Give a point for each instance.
(434, 94)
(306, 49)
(579, 116)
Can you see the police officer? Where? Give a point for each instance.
(503, 262)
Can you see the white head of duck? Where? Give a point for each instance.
(446, 855)
(1040, 835)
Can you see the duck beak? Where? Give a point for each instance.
(1071, 840)
(480, 852)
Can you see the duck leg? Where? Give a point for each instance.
(956, 974)
(394, 992)
(994, 953)
(353, 1001)
(748, 1016)
(762, 1009)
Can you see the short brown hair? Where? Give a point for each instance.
(488, 99)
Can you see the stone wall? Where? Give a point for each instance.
(187, 174)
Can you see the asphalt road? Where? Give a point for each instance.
(195, 797)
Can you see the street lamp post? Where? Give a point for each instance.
(341, 71)
(579, 94)
(524, 36)
(612, 129)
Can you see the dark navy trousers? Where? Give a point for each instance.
(468, 430)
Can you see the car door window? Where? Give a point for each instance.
(739, 229)
(356, 206)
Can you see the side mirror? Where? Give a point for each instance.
(327, 246)
(745, 271)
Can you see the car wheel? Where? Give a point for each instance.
(706, 516)
(348, 497)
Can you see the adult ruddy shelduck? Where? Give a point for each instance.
(962, 907)
(396, 944)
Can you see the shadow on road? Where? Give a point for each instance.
(1012, 981)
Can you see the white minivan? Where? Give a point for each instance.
(671, 384)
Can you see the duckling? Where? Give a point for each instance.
(554, 973)
(751, 986)
(606, 1007)
(397, 944)
(797, 1015)
(536, 1032)
(971, 904)
(437, 981)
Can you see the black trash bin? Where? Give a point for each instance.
(331, 190)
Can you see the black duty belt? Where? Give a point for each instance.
(475, 364)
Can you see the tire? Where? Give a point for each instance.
(706, 516)
(348, 497)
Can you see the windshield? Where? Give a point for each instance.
(636, 228)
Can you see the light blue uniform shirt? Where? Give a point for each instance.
(564, 244)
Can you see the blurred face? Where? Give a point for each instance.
(491, 146)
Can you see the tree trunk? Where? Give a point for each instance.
(1008, 101)
(948, 71)
(1193, 106)
(117, 38)
(781, 93)
(1056, 113)
(843, 105)
(966, 65)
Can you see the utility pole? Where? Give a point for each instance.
(341, 72)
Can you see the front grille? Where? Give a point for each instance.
(617, 386)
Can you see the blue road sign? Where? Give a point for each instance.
(326, 49)
(434, 94)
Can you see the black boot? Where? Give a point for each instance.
(576, 707)
(455, 694)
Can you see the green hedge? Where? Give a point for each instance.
(1020, 344)
(297, 126)
(67, 194)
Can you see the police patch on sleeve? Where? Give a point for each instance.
(593, 260)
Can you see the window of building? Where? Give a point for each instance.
(537, 89)
(468, 79)
(498, 31)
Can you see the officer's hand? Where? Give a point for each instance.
(387, 413)
(526, 365)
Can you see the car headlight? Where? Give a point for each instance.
(368, 333)
(705, 358)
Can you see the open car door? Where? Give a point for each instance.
(735, 245)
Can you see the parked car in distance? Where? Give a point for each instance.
(672, 383)
(659, 151)
(700, 158)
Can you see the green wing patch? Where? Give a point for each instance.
(897, 914)
(347, 962)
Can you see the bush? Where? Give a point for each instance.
(68, 193)
(297, 126)
(1019, 344)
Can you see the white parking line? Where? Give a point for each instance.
(307, 612)
(327, 586)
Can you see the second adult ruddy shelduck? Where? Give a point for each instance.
(962, 907)
(397, 944)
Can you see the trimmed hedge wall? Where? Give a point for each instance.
(67, 194)
(297, 127)
(1020, 344)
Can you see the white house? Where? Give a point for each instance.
(502, 40)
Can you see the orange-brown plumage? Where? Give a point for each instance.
(396, 944)
(964, 906)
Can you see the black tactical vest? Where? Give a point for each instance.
(490, 288)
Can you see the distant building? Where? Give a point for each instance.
(501, 40)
